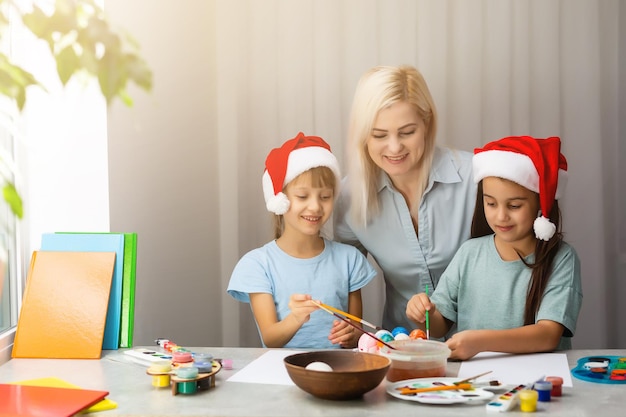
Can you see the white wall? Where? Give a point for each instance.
(234, 76)
(163, 173)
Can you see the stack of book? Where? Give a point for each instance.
(79, 296)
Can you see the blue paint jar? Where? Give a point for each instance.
(544, 389)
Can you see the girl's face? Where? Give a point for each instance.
(397, 142)
(511, 210)
(310, 207)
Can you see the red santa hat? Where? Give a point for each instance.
(536, 164)
(294, 157)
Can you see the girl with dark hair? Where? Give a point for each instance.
(515, 286)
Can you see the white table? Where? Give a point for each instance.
(131, 388)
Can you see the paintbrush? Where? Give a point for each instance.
(326, 309)
(471, 377)
(407, 390)
(350, 316)
(427, 320)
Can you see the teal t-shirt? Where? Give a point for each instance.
(479, 290)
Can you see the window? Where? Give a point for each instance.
(11, 285)
(61, 133)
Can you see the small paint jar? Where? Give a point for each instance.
(202, 357)
(227, 363)
(169, 345)
(543, 388)
(204, 367)
(160, 374)
(528, 400)
(182, 357)
(557, 384)
(187, 387)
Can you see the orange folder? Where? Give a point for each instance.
(64, 305)
(35, 401)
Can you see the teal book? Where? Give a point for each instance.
(97, 242)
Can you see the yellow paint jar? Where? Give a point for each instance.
(160, 381)
(528, 400)
(160, 374)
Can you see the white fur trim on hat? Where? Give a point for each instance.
(300, 160)
(515, 167)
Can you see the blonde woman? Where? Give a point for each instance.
(405, 201)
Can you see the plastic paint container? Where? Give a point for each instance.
(204, 367)
(528, 400)
(187, 387)
(202, 357)
(182, 357)
(557, 383)
(227, 363)
(417, 358)
(160, 374)
(543, 388)
(160, 381)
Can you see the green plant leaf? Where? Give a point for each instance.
(67, 64)
(111, 75)
(12, 197)
(14, 81)
(80, 38)
(139, 72)
(38, 23)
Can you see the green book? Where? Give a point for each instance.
(128, 290)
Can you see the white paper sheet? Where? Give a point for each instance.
(266, 369)
(517, 369)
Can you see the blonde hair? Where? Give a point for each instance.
(379, 88)
(318, 177)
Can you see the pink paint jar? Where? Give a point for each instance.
(182, 357)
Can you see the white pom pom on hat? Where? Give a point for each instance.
(294, 157)
(536, 164)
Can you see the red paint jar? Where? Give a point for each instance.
(557, 383)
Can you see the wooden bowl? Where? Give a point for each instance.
(353, 373)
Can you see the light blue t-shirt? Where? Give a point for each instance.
(330, 277)
(410, 262)
(479, 290)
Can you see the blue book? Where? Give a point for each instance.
(97, 242)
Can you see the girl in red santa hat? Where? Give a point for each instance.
(514, 287)
(281, 279)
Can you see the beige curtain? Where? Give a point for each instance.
(495, 67)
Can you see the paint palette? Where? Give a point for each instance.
(601, 369)
(472, 396)
(147, 357)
